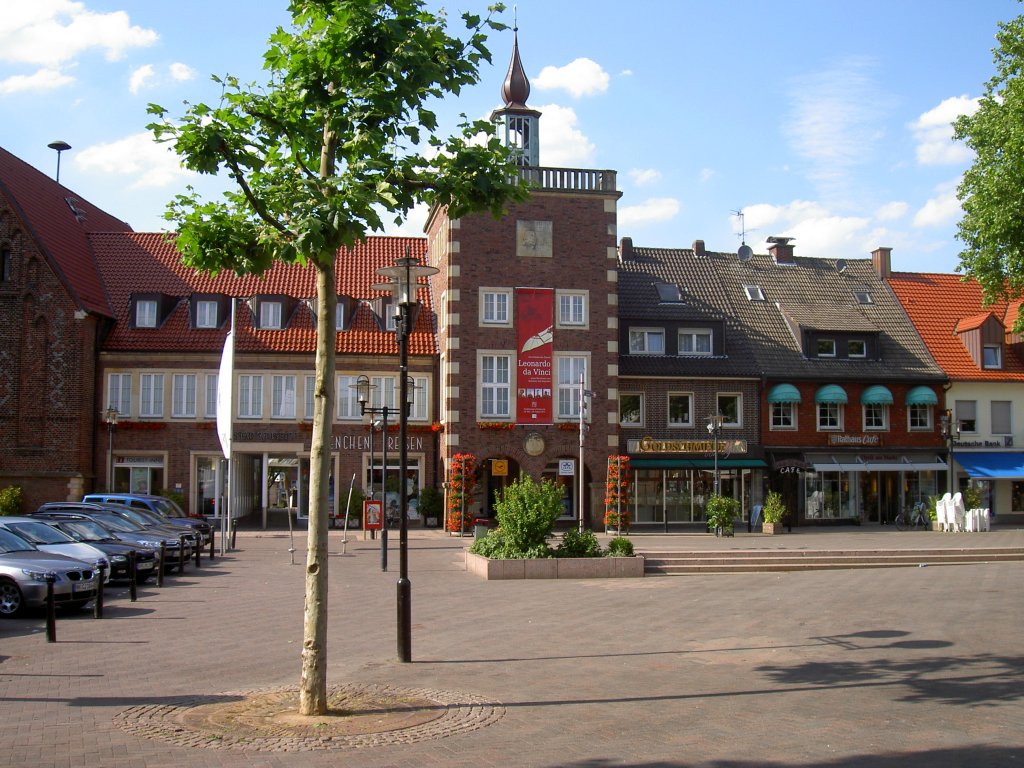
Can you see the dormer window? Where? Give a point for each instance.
(339, 317)
(754, 292)
(992, 356)
(826, 347)
(145, 313)
(856, 348)
(206, 314)
(694, 341)
(270, 315)
(647, 341)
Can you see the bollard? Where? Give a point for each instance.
(51, 612)
(160, 568)
(132, 580)
(199, 546)
(181, 553)
(211, 543)
(234, 530)
(97, 604)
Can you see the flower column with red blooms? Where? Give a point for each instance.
(461, 487)
(617, 495)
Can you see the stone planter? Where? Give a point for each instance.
(556, 568)
(770, 529)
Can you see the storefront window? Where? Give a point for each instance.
(827, 496)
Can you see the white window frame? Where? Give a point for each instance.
(384, 391)
(119, 393)
(250, 396)
(863, 348)
(347, 400)
(151, 396)
(496, 307)
(420, 410)
(494, 390)
(282, 396)
(339, 316)
(739, 408)
(693, 334)
(145, 313)
(271, 315)
(640, 341)
(961, 408)
(782, 417)
(206, 314)
(753, 292)
(823, 409)
(638, 422)
(818, 347)
(573, 309)
(568, 368)
(997, 351)
(878, 413)
(210, 410)
(668, 413)
(183, 396)
(308, 383)
(922, 425)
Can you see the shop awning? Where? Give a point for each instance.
(1006, 465)
(922, 396)
(696, 463)
(876, 395)
(831, 393)
(904, 464)
(783, 393)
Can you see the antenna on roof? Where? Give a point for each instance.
(841, 265)
(59, 146)
(745, 251)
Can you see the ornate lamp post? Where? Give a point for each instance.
(404, 283)
(715, 429)
(110, 417)
(950, 433)
(363, 387)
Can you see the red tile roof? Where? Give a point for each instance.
(941, 304)
(45, 212)
(149, 262)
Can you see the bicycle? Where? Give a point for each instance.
(912, 519)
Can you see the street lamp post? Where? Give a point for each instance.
(584, 394)
(363, 387)
(715, 428)
(950, 432)
(110, 417)
(404, 279)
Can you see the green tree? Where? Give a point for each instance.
(340, 135)
(992, 189)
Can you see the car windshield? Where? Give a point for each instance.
(39, 533)
(85, 530)
(136, 515)
(116, 522)
(10, 542)
(168, 508)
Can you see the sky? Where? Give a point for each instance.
(727, 121)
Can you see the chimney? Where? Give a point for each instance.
(699, 249)
(881, 260)
(781, 250)
(626, 249)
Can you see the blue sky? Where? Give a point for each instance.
(821, 120)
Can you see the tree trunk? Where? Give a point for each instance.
(313, 683)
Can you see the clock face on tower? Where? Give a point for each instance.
(534, 444)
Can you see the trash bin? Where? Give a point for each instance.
(480, 525)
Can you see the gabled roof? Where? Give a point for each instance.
(817, 292)
(59, 221)
(942, 304)
(151, 259)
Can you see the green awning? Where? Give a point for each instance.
(922, 396)
(876, 395)
(831, 393)
(783, 393)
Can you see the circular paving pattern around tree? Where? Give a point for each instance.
(267, 720)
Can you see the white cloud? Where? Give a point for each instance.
(42, 80)
(412, 226)
(891, 211)
(151, 164)
(650, 211)
(563, 144)
(582, 77)
(944, 208)
(182, 72)
(140, 78)
(817, 230)
(643, 176)
(706, 174)
(933, 132)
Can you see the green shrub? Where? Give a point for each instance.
(972, 497)
(495, 546)
(620, 546)
(10, 500)
(577, 544)
(526, 513)
(431, 503)
(773, 510)
(721, 512)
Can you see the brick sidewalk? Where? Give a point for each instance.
(911, 667)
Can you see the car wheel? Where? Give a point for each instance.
(11, 601)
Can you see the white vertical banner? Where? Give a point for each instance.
(225, 388)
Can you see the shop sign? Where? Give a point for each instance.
(566, 467)
(365, 443)
(650, 445)
(499, 467)
(373, 514)
(854, 439)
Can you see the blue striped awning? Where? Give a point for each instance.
(922, 396)
(876, 395)
(783, 393)
(831, 393)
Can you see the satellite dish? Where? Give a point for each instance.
(745, 252)
(841, 265)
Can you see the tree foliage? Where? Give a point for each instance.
(992, 189)
(339, 137)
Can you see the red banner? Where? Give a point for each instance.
(535, 321)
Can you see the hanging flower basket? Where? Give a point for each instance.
(495, 425)
(618, 494)
(461, 487)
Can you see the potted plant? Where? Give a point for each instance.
(617, 495)
(772, 513)
(721, 513)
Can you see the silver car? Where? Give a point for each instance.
(24, 571)
(55, 541)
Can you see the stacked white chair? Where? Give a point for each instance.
(970, 520)
(984, 523)
(942, 507)
(959, 513)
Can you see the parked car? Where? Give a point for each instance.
(117, 551)
(122, 527)
(160, 505)
(156, 522)
(48, 539)
(24, 570)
